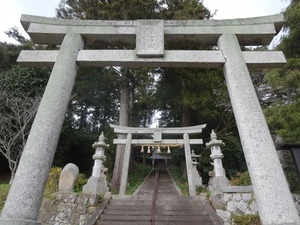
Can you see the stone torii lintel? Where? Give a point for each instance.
(249, 31)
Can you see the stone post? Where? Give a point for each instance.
(274, 200)
(25, 196)
(97, 184)
(125, 167)
(189, 166)
(196, 176)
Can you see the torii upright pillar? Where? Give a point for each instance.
(275, 203)
(26, 193)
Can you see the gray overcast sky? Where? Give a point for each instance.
(11, 10)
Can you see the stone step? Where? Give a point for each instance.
(158, 212)
(132, 218)
(129, 202)
(149, 223)
(129, 207)
(163, 218)
(127, 212)
(167, 197)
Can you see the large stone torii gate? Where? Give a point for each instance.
(274, 200)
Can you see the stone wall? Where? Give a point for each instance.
(228, 204)
(68, 208)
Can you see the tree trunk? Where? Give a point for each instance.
(123, 121)
(12, 176)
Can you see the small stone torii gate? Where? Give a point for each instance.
(78, 39)
(158, 140)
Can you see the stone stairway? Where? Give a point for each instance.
(177, 210)
(171, 207)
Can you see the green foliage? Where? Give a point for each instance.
(23, 81)
(136, 177)
(80, 182)
(290, 43)
(132, 9)
(234, 160)
(246, 219)
(285, 120)
(241, 179)
(283, 114)
(52, 181)
(184, 102)
(76, 147)
(8, 55)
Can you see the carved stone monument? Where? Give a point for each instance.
(68, 177)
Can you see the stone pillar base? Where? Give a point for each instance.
(96, 185)
(220, 182)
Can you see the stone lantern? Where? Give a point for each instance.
(217, 156)
(97, 183)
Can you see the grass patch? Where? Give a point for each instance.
(181, 182)
(4, 189)
(137, 177)
(246, 219)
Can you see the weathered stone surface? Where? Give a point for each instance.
(93, 199)
(82, 199)
(68, 177)
(227, 204)
(83, 219)
(71, 198)
(81, 209)
(67, 207)
(64, 212)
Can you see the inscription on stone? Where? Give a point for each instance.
(150, 38)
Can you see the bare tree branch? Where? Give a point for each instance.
(16, 116)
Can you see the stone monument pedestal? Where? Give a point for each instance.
(96, 185)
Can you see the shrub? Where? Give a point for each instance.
(246, 219)
(53, 179)
(53, 182)
(241, 179)
(80, 182)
